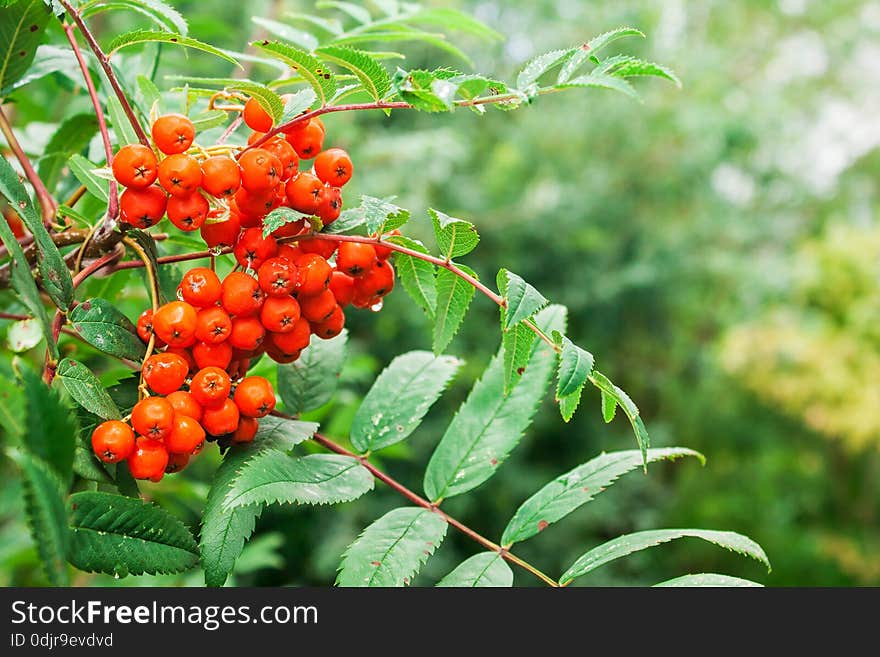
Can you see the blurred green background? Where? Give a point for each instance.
(717, 247)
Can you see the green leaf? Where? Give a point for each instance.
(490, 423)
(708, 579)
(311, 69)
(20, 277)
(311, 381)
(372, 74)
(599, 42)
(12, 406)
(392, 550)
(486, 569)
(455, 237)
(609, 407)
(86, 390)
(537, 66)
(454, 296)
(287, 32)
(24, 335)
(268, 99)
(72, 136)
(522, 300)
(454, 20)
(122, 128)
(85, 173)
(358, 13)
(123, 536)
(280, 217)
(576, 487)
(45, 513)
(375, 215)
(296, 104)
(209, 119)
(54, 275)
(21, 28)
(516, 344)
(149, 36)
(49, 59)
(425, 90)
(629, 543)
(105, 328)
(575, 366)
(50, 426)
(603, 82)
(629, 408)
(224, 532)
(400, 398)
(159, 12)
(273, 477)
(416, 275)
(633, 67)
(402, 32)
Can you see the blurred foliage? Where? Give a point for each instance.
(717, 246)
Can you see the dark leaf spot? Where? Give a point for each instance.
(542, 525)
(520, 370)
(375, 563)
(493, 462)
(22, 53)
(34, 28)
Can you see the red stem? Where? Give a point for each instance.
(48, 206)
(113, 204)
(104, 61)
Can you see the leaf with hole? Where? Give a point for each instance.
(392, 549)
(400, 398)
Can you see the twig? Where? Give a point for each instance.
(47, 203)
(104, 61)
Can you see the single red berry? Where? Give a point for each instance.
(280, 314)
(180, 175)
(148, 459)
(289, 229)
(221, 176)
(333, 167)
(221, 233)
(342, 287)
(279, 147)
(145, 328)
(241, 295)
(184, 403)
(142, 208)
(375, 283)
(221, 420)
(184, 353)
(383, 252)
(212, 355)
(247, 333)
(292, 342)
(318, 307)
(165, 373)
(135, 166)
(112, 441)
(252, 249)
(356, 259)
(200, 287)
(253, 206)
(247, 429)
(173, 133)
(175, 323)
(332, 326)
(210, 386)
(307, 141)
(330, 205)
(151, 417)
(176, 463)
(323, 247)
(213, 325)
(254, 397)
(304, 192)
(277, 277)
(188, 212)
(260, 170)
(255, 117)
(313, 274)
(186, 435)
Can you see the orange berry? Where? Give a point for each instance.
(165, 373)
(255, 117)
(142, 208)
(212, 355)
(241, 294)
(333, 167)
(254, 397)
(148, 459)
(221, 420)
(173, 133)
(186, 436)
(200, 287)
(112, 441)
(221, 176)
(180, 175)
(175, 323)
(210, 386)
(152, 417)
(184, 403)
(135, 166)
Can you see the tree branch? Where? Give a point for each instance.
(48, 206)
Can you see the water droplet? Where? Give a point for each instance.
(179, 294)
(376, 307)
(216, 250)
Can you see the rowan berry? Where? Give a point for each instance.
(176, 463)
(213, 325)
(175, 323)
(377, 281)
(145, 328)
(333, 167)
(323, 247)
(302, 125)
(281, 149)
(307, 141)
(221, 176)
(152, 417)
(221, 233)
(142, 208)
(313, 274)
(188, 212)
(318, 307)
(289, 251)
(148, 459)
(332, 326)
(329, 205)
(252, 249)
(212, 355)
(184, 403)
(275, 354)
(173, 133)
(277, 277)
(254, 397)
(355, 258)
(180, 175)
(210, 386)
(200, 287)
(304, 192)
(255, 117)
(246, 430)
(247, 333)
(383, 252)
(293, 341)
(289, 229)
(165, 373)
(112, 441)
(135, 166)
(279, 314)
(184, 353)
(221, 420)
(342, 286)
(186, 435)
(253, 206)
(260, 170)
(241, 294)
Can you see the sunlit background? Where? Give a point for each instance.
(717, 247)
